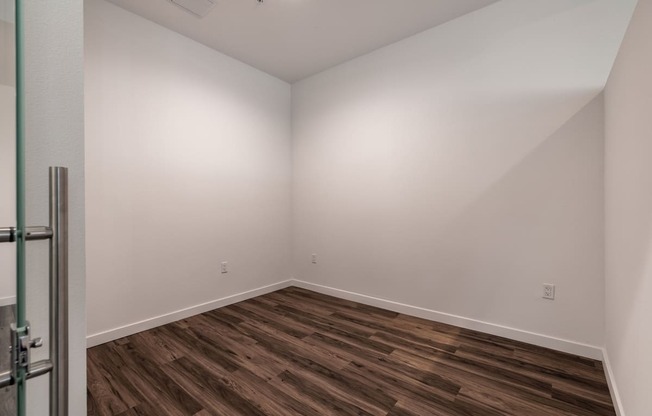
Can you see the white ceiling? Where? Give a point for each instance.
(293, 39)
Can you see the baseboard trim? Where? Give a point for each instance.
(558, 344)
(611, 381)
(126, 330)
(10, 300)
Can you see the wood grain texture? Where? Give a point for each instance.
(296, 352)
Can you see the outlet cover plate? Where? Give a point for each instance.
(548, 291)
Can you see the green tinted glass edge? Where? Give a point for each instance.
(21, 320)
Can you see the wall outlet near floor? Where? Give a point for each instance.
(313, 258)
(224, 267)
(548, 291)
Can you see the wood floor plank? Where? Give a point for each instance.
(105, 399)
(154, 385)
(327, 323)
(566, 378)
(250, 356)
(325, 397)
(211, 393)
(385, 366)
(201, 344)
(461, 370)
(320, 371)
(271, 393)
(146, 409)
(284, 298)
(277, 315)
(158, 349)
(241, 398)
(297, 352)
(107, 363)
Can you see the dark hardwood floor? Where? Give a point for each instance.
(296, 352)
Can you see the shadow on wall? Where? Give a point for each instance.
(541, 222)
(462, 168)
(629, 261)
(639, 295)
(635, 334)
(477, 236)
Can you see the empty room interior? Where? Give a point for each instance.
(332, 207)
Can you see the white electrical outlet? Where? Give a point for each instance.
(548, 291)
(225, 267)
(314, 258)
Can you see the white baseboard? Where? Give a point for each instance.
(546, 341)
(11, 300)
(123, 331)
(558, 344)
(611, 380)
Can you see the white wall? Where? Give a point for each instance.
(7, 154)
(462, 168)
(628, 101)
(7, 43)
(55, 137)
(7, 191)
(188, 164)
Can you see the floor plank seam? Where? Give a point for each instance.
(297, 352)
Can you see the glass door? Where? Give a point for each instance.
(7, 195)
(33, 358)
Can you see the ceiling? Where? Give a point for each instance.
(293, 39)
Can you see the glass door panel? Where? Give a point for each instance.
(37, 362)
(7, 194)
(26, 367)
(39, 352)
